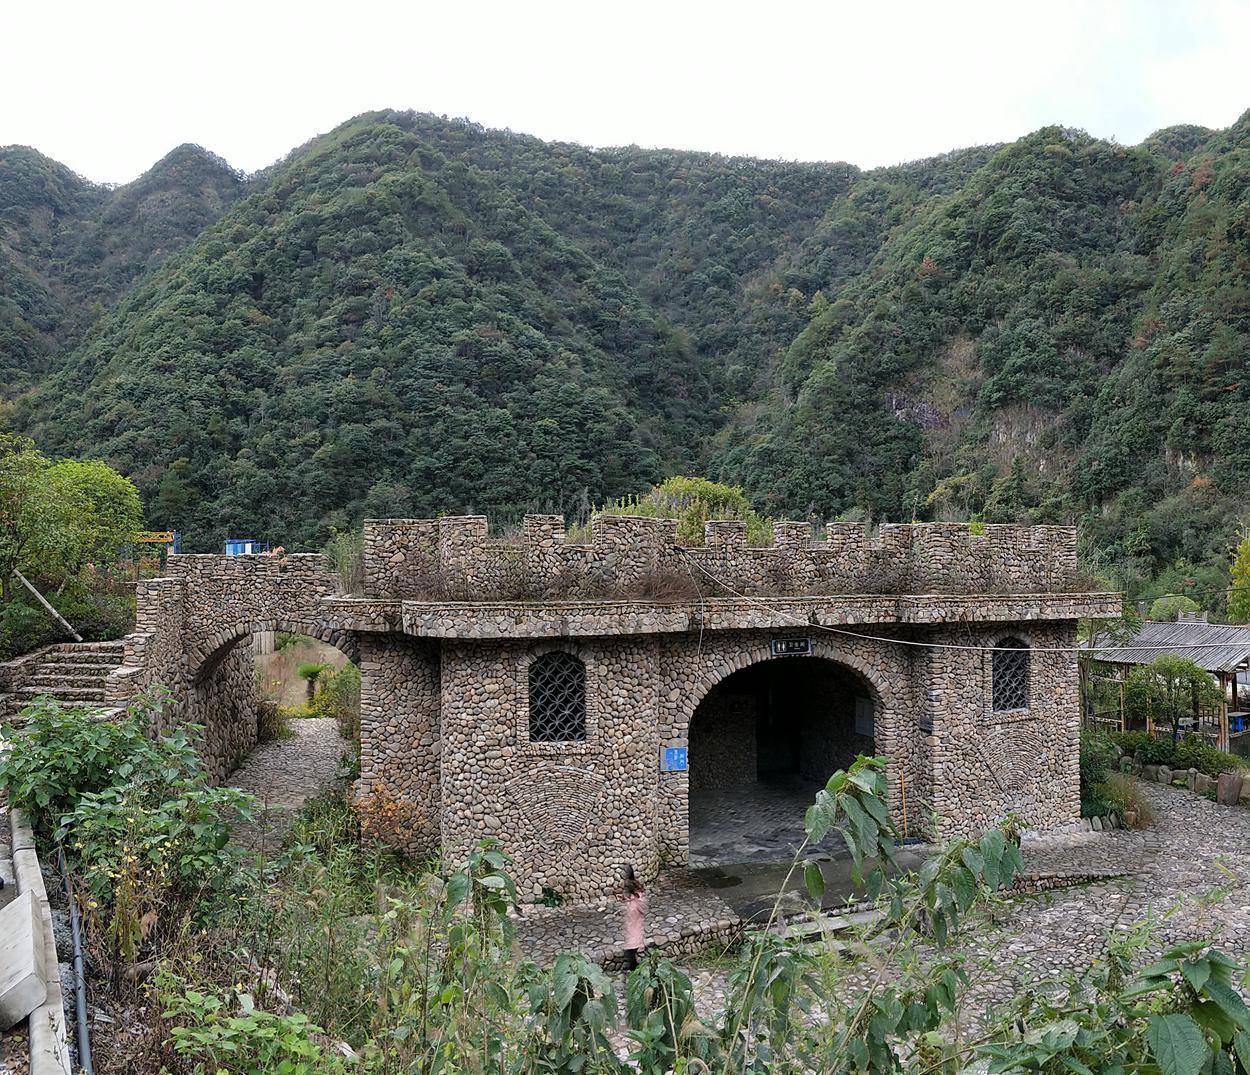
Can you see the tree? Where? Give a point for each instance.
(27, 507)
(1239, 595)
(100, 509)
(1171, 606)
(693, 502)
(1168, 689)
(58, 518)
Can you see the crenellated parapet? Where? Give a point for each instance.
(455, 558)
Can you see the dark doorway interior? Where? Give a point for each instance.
(761, 743)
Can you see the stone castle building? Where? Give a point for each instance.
(572, 700)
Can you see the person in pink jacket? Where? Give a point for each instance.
(634, 899)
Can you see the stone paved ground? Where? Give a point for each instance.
(758, 822)
(1175, 872)
(681, 915)
(283, 775)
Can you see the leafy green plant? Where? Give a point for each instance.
(1169, 689)
(1098, 757)
(145, 833)
(346, 553)
(273, 721)
(430, 983)
(663, 1019)
(150, 850)
(339, 697)
(1195, 753)
(693, 502)
(1188, 752)
(62, 754)
(572, 1011)
(310, 672)
(217, 1034)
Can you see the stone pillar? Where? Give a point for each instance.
(399, 792)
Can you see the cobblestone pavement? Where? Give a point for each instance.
(683, 916)
(757, 822)
(1190, 873)
(283, 775)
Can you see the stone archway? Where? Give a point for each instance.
(761, 740)
(222, 695)
(206, 656)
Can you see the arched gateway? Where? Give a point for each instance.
(762, 741)
(582, 702)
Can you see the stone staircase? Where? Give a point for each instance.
(74, 673)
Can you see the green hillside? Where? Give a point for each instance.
(70, 248)
(412, 315)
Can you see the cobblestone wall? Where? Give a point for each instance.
(455, 558)
(452, 619)
(722, 743)
(690, 667)
(986, 764)
(223, 701)
(399, 790)
(572, 814)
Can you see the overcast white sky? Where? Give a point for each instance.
(109, 88)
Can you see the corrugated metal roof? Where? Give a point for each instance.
(1217, 647)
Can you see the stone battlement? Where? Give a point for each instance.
(454, 558)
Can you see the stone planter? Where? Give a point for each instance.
(1228, 788)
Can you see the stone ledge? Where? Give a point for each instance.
(23, 967)
(681, 920)
(545, 619)
(49, 1049)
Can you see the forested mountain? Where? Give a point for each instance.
(415, 315)
(69, 248)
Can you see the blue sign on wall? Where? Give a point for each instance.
(673, 760)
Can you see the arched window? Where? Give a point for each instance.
(1011, 674)
(557, 699)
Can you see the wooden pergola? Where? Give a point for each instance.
(1221, 650)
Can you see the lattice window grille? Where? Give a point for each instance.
(557, 699)
(1011, 675)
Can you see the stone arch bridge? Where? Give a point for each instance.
(787, 659)
(193, 629)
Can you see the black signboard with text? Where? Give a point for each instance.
(792, 647)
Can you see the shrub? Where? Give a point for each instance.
(62, 754)
(311, 672)
(146, 834)
(1191, 752)
(339, 698)
(1098, 757)
(1194, 753)
(693, 502)
(1123, 797)
(1168, 608)
(230, 1034)
(346, 553)
(150, 849)
(274, 721)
